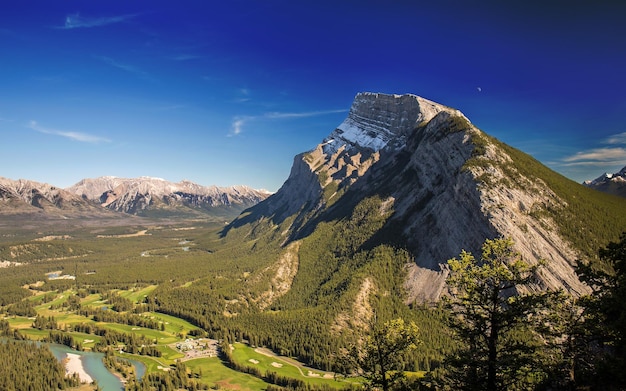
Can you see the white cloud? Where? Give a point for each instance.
(619, 138)
(597, 157)
(76, 136)
(305, 114)
(239, 122)
(237, 126)
(598, 154)
(124, 67)
(603, 156)
(74, 21)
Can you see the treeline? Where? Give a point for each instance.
(22, 308)
(26, 366)
(100, 315)
(177, 378)
(62, 339)
(132, 343)
(118, 365)
(332, 268)
(11, 293)
(7, 331)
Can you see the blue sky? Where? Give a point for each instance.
(229, 92)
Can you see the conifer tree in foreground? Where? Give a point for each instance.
(605, 313)
(380, 358)
(492, 320)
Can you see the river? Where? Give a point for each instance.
(93, 365)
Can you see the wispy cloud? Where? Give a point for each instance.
(613, 154)
(169, 108)
(306, 114)
(597, 157)
(186, 57)
(619, 138)
(74, 21)
(244, 95)
(237, 125)
(122, 66)
(239, 121)
(76, 136)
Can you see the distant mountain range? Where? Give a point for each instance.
(144, 196)
(610, 183)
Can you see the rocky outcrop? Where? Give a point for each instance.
(443, 179)
(376, 121)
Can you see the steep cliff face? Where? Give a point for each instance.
(448, 185)
(376, 121)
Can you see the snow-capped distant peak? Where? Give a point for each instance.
(604, 177)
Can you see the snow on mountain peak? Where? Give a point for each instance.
(377, 120)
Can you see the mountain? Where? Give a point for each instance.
(147, 196)
(30, 202)
(24, 196)
(406, 172)
(610, 183)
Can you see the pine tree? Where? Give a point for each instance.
(491, 320)
(380, 359)
(605, 313)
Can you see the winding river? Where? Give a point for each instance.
(93, 365)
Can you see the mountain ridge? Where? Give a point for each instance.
(143, 196)
(610, 183)
(448, 187)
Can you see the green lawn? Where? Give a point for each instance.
(215, 373)
(169, 354)
(283, 366)
(160, 336)
(20, 322)
(34, 334)
(137, 295)
(172, 324)
(153, 364)
(93, 300)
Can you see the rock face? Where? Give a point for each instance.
(142, 195)
(29, 197)
(610, 183)
(445, 181)
(376, 121)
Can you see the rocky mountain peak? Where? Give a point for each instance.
(610, 183)
(145, 194)
(447, 184)
(378, 120)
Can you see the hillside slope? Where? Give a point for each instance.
(443, 186)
